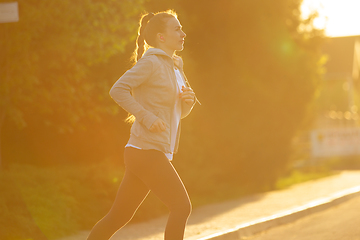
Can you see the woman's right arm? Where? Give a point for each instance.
(121, 91)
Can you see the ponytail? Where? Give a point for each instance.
(141, 45)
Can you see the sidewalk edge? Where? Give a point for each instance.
(262, 224)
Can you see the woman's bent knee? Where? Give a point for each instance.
(118, 220)
(189, 208)
(184, 209)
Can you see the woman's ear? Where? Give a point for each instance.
(160, 37)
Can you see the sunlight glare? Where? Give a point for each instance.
(338, 17)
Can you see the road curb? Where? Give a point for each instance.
(262, 224)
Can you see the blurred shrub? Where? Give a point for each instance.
(58, 201)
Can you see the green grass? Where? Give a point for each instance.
(298, 176)
(53, 202)
(318, 169)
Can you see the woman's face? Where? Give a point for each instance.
(173, 38)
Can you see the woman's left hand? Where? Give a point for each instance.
(187, 95)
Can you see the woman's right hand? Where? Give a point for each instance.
(158, 126)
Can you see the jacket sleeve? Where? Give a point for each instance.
(121, 91)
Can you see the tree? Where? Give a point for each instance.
(46, 58)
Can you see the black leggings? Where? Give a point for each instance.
(146, 170)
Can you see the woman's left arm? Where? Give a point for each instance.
(187, 95)
(188, 99)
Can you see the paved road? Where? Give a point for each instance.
(341, 222)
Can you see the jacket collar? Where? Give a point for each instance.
(156, 51)
(159, 52)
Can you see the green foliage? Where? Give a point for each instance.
(297, 176)
(56, 201)
(47, 56)
(342, 163)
